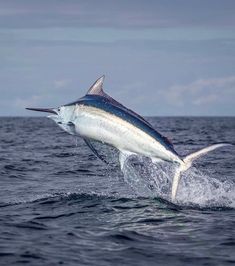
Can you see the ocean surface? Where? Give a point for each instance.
(60, 205)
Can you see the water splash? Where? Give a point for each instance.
(195, 188)
(205, 190)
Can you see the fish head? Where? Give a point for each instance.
(63, 116)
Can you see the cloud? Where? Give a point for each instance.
(22, 103)
(112, 13)
(61, 83)
(207, 99)
(202, 92)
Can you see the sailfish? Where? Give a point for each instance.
(97, 116)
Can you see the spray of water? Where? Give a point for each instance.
(195, 188)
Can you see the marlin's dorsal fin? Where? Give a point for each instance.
(97, 87)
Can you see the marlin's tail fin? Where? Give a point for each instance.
(187, 162)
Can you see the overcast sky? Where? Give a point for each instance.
(159, 57)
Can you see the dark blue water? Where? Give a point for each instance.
(61, 205)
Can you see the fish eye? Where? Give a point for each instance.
(59, 109)
(70, 123)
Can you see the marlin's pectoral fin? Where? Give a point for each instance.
(88, 143)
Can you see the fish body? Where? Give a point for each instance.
(97, 116)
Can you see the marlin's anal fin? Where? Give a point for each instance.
(156, 160)
(88, 143)
(123, 155)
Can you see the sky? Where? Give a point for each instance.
(159, 58)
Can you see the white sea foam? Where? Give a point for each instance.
(195, 188)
